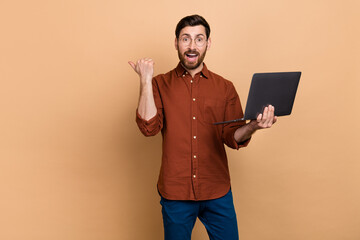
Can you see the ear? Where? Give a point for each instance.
(209, 43)
(176, 44)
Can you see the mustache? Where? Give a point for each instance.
(192, 52)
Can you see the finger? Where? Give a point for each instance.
(150, 61)
(259, 118)
(132, 64)
(275, 119)
(270, 116)
(265, 115)
(139, 64)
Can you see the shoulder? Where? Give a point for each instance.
(164, 77)
(221, 81)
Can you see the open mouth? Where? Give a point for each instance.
(191, 56)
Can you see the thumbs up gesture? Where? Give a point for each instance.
(144, 68)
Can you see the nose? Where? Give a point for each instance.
(192, 45)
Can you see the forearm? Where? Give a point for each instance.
(264, 120)
(146, 108)
(244, 133)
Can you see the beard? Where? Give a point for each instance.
(191, 65)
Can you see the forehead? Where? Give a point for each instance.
(193, 30)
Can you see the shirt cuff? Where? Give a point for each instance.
(147, 127)
(241, 144)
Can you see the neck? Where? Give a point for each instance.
(192, 72)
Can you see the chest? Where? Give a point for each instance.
(201, 99)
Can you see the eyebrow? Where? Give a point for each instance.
(186, 34)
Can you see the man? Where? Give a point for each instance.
(183, 104)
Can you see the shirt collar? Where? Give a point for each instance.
(180, 70)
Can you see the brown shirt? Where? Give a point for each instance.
(194, 163)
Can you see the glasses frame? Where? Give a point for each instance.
(181, 38)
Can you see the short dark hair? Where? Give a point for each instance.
(193, 20)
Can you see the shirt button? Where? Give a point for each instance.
(194, 176)
(194, 118)
(191, 81)
(194, 137)
(200, 75)
(194, 99)
(184, 75)
(194, 156)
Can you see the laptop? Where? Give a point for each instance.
(277, 89)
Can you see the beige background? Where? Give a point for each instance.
(73, 165)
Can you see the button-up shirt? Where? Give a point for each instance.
(194, 163)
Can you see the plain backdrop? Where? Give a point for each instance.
(74, 166)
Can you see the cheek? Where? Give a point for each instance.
(202, 51)
(181, 51)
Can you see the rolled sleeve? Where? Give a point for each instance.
(237, 145)
(228, 137)
(149, 127)
(233, 111)
(152, 126)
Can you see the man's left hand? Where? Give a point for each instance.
(265, 119)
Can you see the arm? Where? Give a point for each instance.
(264, 120)
(145, 69)
(233, 110)
(149, 114)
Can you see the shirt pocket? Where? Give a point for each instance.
(213, 110)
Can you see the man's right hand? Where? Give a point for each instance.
(144, 68)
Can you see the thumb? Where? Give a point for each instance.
(259, 117)
(132, 65)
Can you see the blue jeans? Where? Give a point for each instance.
(217, 215)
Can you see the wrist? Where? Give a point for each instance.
(145, 79)
(145, 83)
(253, 126)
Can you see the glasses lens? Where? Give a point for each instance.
(199, 41)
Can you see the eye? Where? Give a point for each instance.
(199, 40)
(185, 39)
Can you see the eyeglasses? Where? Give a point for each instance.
(186, 40)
